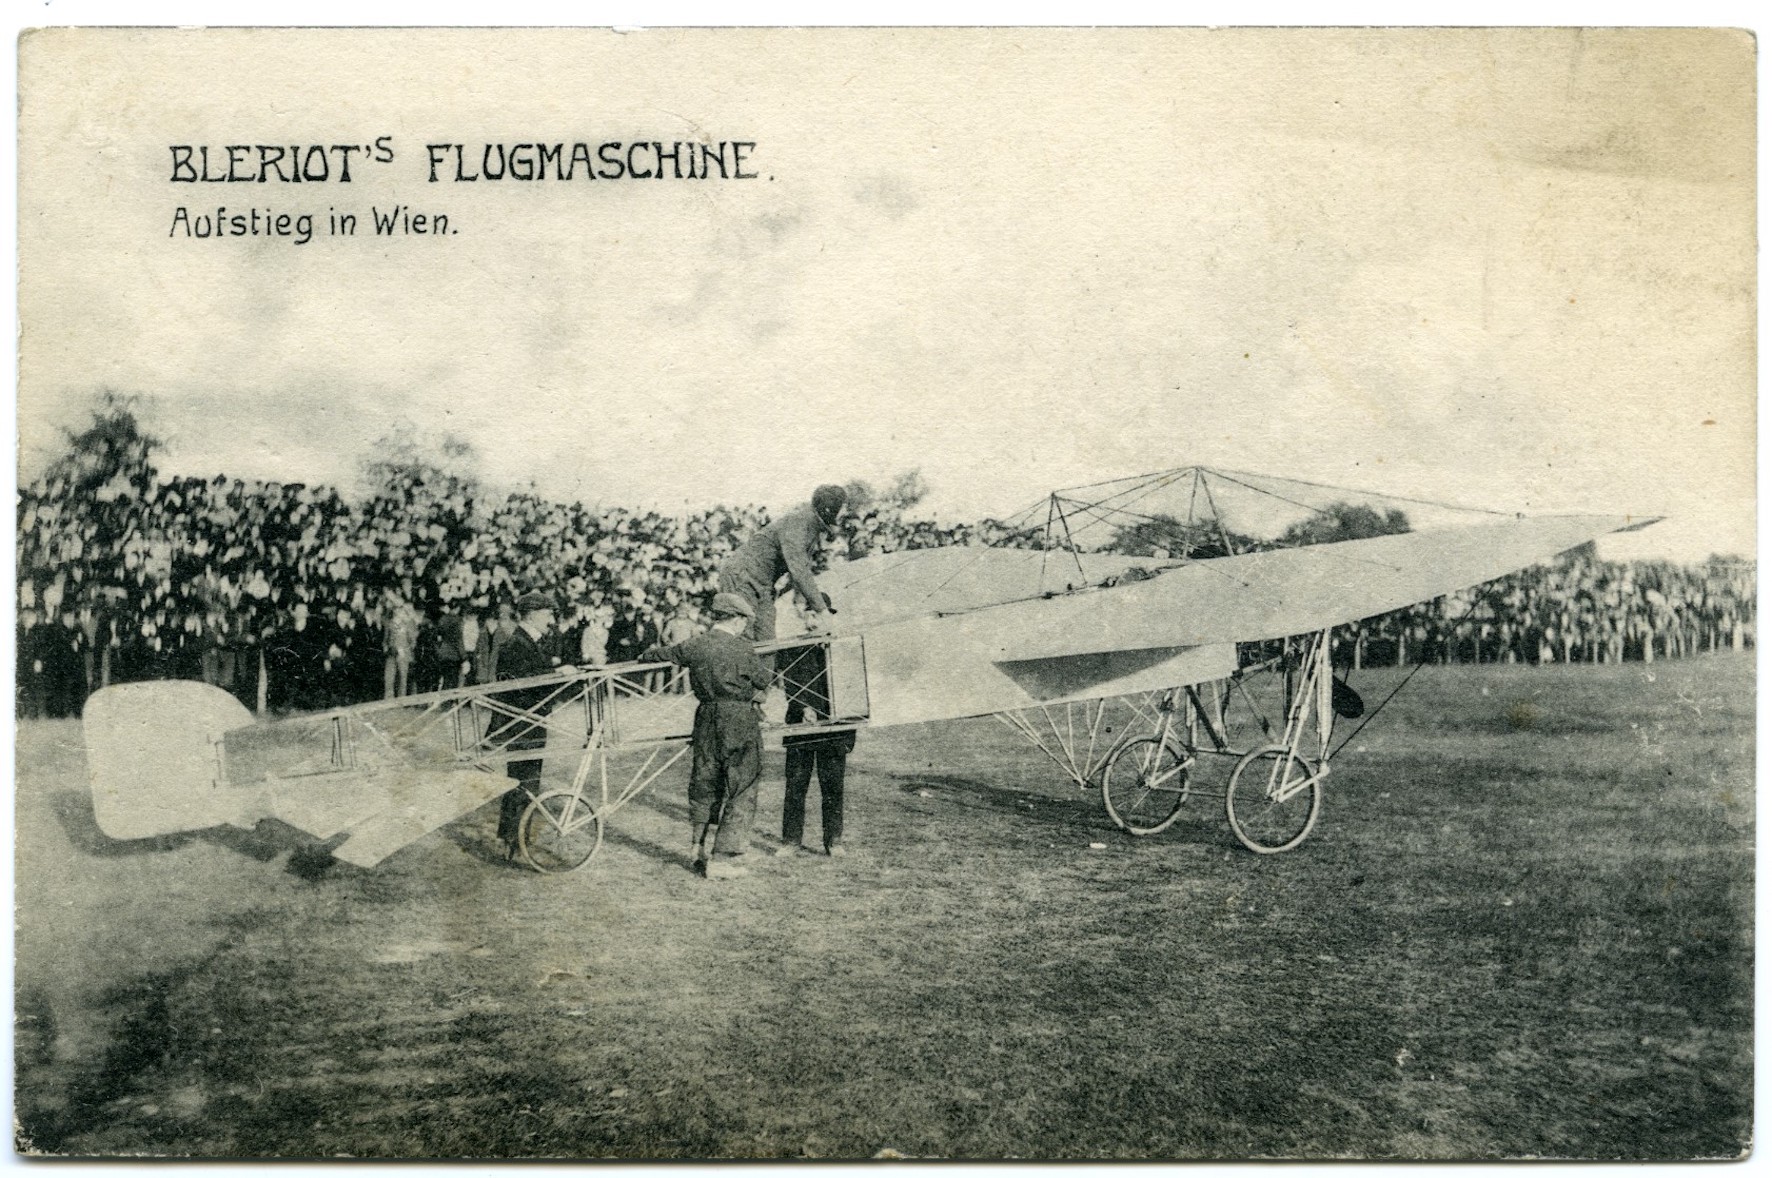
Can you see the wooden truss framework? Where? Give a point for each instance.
(1141, 751)
(589, 715)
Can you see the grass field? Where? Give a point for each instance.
(1523, 927)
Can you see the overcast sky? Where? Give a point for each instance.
(1513, 269)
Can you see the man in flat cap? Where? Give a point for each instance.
(728, 679)
(787, 548)
(524, 655)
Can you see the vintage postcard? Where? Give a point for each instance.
(855, 593)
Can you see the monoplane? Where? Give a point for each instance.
(1134, 631)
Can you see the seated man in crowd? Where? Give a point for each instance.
(728, 679)
(681, 627)
(493, 635)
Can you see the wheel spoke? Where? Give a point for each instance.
(1144, 784)
(560, 832)
(1275, 812)
(1157, 782)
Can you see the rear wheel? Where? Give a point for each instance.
(1144, 784)
(559, 832)
(1272, 800)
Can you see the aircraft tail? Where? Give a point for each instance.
(158, 755)
(154, 758)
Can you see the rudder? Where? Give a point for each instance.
(154, 760)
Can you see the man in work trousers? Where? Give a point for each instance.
(806, 680)
(728, 679)
(788, 548)
(827, 754)
(523, 655)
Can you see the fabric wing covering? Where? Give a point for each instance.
(1093, 606)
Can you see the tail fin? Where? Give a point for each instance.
(154, 758)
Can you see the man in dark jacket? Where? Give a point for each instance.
(728, 678)
(295, 660)
(36, 665)
(525, 654)
(631, 635)
(788, 547)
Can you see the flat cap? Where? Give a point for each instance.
(731, 605)
(534, 601)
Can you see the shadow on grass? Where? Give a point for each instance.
(309, 859)
(1200, 823)
(263, 843)
(490, 852)
(142, 1038)
(1079, 809)
(73, 810)
(671, 857)
(486, 850)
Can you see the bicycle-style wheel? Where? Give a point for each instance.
(1272, 800)
(559, 832)
(1144, 784)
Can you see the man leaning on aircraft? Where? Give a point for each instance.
(788, 548)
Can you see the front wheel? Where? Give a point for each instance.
(1144, 784)
(1273, 799)
(559, 832)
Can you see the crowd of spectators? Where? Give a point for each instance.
(294, 597)
(1579, 609)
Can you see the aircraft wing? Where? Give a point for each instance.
(893, 586)
(1272, 594)
(1177, 627)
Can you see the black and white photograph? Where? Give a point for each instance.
(1053, 594)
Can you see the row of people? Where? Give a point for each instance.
(331, 652)
(145, 577)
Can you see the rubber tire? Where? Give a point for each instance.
(1130, 818)
(560, 832)
(1257, 786)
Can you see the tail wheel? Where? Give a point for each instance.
(1144, 784)
(1273, 799)
(560, 832)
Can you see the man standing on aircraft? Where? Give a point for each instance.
(786, 547)
(728, 679)
(524, 654)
